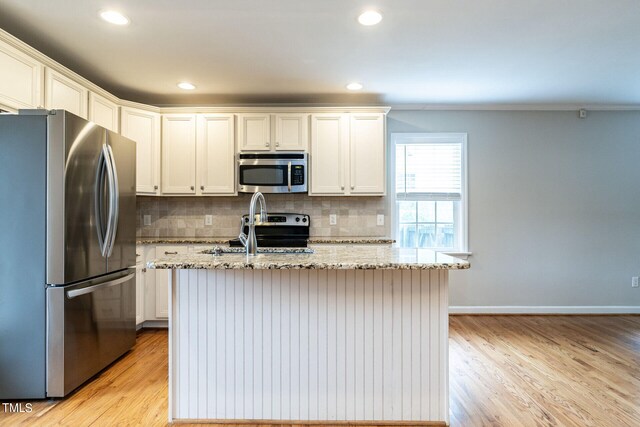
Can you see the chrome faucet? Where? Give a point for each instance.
(250, 242)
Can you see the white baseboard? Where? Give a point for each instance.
(553, 309)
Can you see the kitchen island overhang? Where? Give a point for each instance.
(349, 333)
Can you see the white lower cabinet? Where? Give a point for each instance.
(140, 276)
(162, 278)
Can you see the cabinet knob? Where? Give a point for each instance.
(202, 187)
(342, 187)
(277, 144)
(144, 270)
(155, 187)
(266, 144)
(193, 188)
(353, 186)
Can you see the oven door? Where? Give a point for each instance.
(272, 175)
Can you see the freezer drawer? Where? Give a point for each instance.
(89, 325)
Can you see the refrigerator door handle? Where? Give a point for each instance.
(99, 199)
(90, 289)
(110, 177)
(114, 202)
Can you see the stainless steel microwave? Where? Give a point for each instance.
(283, 172)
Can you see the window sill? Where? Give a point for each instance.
(461, 255)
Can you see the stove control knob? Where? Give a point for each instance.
(304, 219)
(297, 219)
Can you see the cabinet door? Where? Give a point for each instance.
(329, 142)
(163, 277)
(63, 93)
(367, 155)
(21, 82)
(144, 128)
(254, 132)
(179, 154)
(216, 155)
(292, 132)
(141, 272)
(103, 112)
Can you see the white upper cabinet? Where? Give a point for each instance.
(273, 132)
(367, 154)
(254, 132)
(348, 154)
(292, 132)
(216, 155)
(103, 112)
(179, 154)
(66, 94)
(21, 81)
(144, 128)
(329, 140)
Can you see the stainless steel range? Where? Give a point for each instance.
(281, 230)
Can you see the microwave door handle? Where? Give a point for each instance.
(115, 202)
(289, 176)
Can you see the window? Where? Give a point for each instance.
(430, 191)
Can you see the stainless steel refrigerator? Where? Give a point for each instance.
(67, 251)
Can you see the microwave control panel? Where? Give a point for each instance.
(297, 175)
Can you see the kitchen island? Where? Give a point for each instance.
(348, 333)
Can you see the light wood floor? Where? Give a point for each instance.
(504, 371)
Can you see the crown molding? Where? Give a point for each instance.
(515, 107)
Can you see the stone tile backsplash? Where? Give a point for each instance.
(185, 216)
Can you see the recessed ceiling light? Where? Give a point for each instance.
(186, 86)
(354, 86)
(114, 17)
(370, 17)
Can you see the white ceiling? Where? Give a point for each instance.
(423, 52)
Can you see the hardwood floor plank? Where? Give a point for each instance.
(511, 371)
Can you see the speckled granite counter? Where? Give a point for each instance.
(183, 240)
(342, 257)
(225, 240)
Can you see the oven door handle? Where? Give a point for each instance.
(90, 289)
(289, 176)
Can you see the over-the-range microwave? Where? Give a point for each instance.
(284, 172)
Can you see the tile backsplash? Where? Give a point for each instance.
(185, 216)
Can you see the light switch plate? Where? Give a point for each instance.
(380, 219)
(208, 219)
(146, 220)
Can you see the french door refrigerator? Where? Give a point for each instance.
(67, 251)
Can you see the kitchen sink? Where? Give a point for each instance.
(219, 250)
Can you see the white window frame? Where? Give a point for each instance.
(430, 137)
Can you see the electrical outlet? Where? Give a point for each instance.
(146, 220)
(634, 282)
(208, 219)
(333, 219)
(380, 219)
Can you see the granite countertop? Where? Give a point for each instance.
(225, 240)
(342, 257)
(183, 240)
